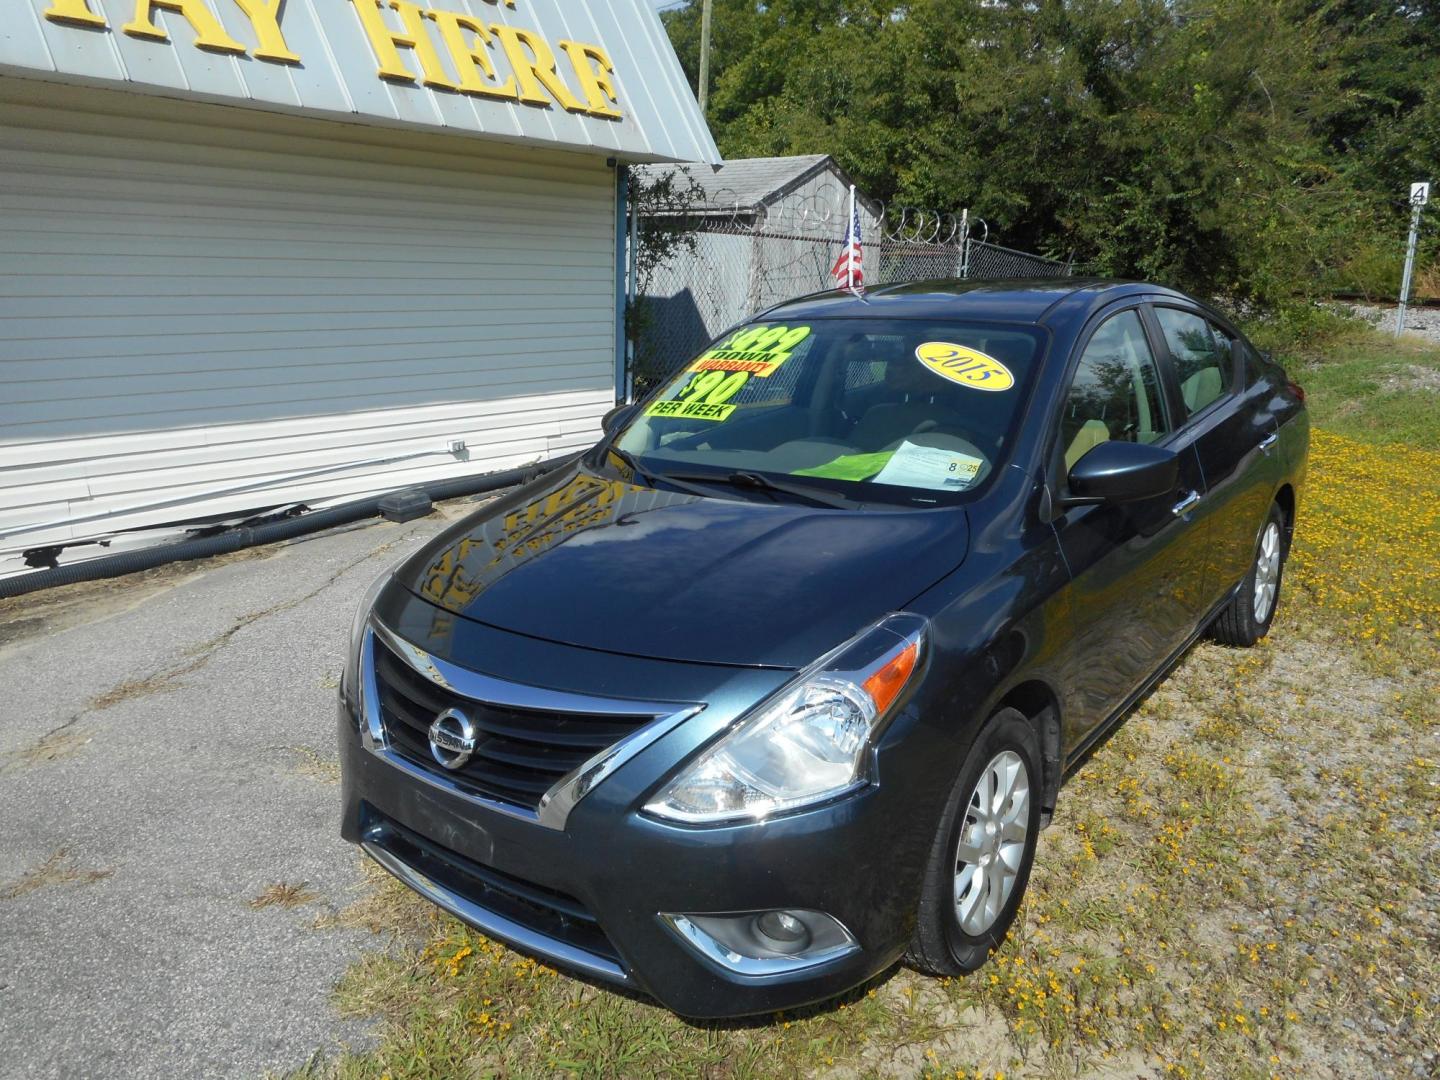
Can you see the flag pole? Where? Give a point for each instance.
(851, 224)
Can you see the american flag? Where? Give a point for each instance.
(848, 272)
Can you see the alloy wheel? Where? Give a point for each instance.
(1267, 572)
(992, 842)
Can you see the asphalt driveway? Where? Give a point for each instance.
(169, 814)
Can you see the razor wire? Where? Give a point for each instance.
(740, 259)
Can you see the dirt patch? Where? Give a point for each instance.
(57, 745)
(1413, 377)
(37, 614)
(313, 765)
(386, 907)
(58, 869)
(284, 894)
(131, 689)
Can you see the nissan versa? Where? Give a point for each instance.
(779, 682)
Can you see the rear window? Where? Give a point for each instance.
(1201, 352)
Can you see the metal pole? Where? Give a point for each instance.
(704, 54)
(965, 242)
(1409, 266)
(631, 294)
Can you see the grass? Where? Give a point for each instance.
(1369, 386)
(1241, 883)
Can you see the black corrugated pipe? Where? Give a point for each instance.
(250, 536)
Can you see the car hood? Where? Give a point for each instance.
(587, 560)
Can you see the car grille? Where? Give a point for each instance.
(522, 753)
(549, 913)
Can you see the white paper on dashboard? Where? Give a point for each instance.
(929, 467)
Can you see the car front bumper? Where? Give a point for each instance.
(589, 897)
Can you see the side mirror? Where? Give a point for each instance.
(1121, 472)
(618, 417)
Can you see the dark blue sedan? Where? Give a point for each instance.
(779, 682)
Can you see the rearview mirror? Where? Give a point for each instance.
(618, 417)
(1121, 472)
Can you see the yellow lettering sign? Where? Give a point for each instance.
(536, 71)
(74, 11)
(534, 78)
(264, 16)
(387, 43)
(597, 77)
(471, 55)
(209, 34)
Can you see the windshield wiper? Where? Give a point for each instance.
(655, 480)
(758, 482)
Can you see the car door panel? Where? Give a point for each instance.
(1137, 579)
(1137, 569)
(1235, 434)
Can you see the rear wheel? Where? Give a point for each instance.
(1248, 616)
(980, 860)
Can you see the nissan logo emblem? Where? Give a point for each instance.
(452, 738)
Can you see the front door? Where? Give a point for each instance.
(1137, 570)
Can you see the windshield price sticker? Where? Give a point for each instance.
(964, 365)
(756, 350)
(690, 410)
(722, 373)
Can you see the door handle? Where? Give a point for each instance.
(1268, 443)
(1185, 505)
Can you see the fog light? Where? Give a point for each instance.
(765, 942)
(782, 931)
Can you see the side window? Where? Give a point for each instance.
(1202, 357)
(1116, 392)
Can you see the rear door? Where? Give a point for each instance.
(1137, 569)
(1233, 430)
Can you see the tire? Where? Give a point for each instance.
(944, 944)
(1247, 618)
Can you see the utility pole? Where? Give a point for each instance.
(1419, 196)
(705, 6)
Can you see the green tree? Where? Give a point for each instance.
(1244, 148)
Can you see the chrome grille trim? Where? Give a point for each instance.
(555, 804)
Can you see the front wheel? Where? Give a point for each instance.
(1247, 618)
(980, 861)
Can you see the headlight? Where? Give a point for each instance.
(809, 742)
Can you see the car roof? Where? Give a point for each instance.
(1023, 300)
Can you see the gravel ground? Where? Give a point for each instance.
(166, 757)
(1424, 321)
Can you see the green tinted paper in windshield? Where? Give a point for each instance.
(849, 466)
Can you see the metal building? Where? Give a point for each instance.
(257, 254)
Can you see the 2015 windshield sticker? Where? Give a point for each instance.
(964, 365)
(755, 350)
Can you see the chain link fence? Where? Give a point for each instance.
(705, 268)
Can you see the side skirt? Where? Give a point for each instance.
(1092, 742)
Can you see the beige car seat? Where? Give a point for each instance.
(1201, 389)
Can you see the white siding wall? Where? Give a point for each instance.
(196, 298)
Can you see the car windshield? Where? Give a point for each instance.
(877, 410)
